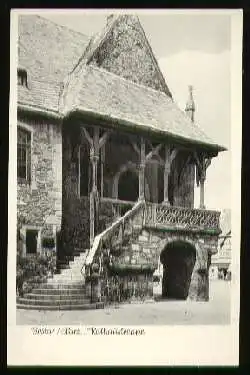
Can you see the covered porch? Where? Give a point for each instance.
(107, 170)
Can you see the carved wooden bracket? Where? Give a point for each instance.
(85, 133)
(173, 155)
(135, 146)
(154, 152)
(95, 143)
(202, 163)
(170, 155)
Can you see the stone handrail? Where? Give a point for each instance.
(117, 201)
(118, 206)
(114, 233)
(158, 215)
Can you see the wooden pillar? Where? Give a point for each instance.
(202, 195)
(202, 163)
(142, 171)
(166, 174)
(79, 171)
(102, 168)
(96, 144)
(94, 158)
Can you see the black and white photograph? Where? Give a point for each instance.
(124, 170)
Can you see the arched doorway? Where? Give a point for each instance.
(128, 186)
(178, 259)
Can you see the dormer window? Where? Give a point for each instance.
(22, 77)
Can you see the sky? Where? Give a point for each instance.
(190, 49)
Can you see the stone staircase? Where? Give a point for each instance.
(64, 291)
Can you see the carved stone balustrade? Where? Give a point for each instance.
(178, 218)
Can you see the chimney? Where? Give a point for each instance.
(190, 106)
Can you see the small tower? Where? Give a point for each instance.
(190, 106)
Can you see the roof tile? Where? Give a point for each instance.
(98, 91)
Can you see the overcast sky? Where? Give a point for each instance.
(191, 49)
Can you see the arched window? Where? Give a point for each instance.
(128, 186)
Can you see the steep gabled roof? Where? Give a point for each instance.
(122, 48)
(49, 50)
(97, 83)
(95, 91)
(40, 94)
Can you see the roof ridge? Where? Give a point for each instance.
(102, 33)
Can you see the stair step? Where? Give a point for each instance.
(61, 263)
(86, 306)
(76, 277)
(61, 283)
(69, 285)
(77, 262)
(74, 270)
(64, 266)
(52, 302)
(70, 277)
(56, 297)
(59, 292)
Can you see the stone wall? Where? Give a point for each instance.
(39, 203)
(127, 38)
(144, 253)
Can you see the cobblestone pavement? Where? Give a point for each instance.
(216, 311)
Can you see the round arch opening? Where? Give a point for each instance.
(128, 186)
(178, 260)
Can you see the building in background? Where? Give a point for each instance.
(221, 262)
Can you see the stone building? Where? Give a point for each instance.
(221, 262)
(106, 168)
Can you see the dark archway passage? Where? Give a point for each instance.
(178, 259)
(128, 187)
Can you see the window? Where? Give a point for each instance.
(23, 155)
(31, 241)
(22, 77)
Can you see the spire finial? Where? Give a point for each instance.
(190, 106)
